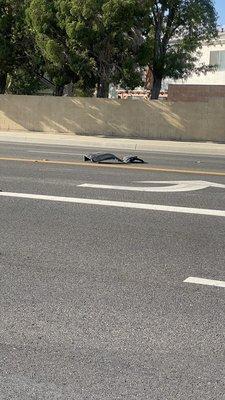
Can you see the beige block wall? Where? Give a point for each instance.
(116, 118)
(195, 92)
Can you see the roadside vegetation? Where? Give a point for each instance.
(89, 44)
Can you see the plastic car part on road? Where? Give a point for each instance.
(101, 157)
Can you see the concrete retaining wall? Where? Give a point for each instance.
(116, 118)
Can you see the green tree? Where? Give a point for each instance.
(92, 42)
(177, 30)
(20, 62)
(8, 12)
(108, 31)
(64, 63)
(22, 81)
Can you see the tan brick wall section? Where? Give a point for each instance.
(115, 118)
(195, 92)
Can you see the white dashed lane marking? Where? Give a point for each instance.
(53, 152)
(207, 282)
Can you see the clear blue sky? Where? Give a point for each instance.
(220, 6)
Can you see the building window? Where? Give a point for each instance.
(218, 58)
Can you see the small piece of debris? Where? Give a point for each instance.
(132, 159)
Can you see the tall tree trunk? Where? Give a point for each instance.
(103, 89)
(3, 80)
(157, 84)
(59, 89)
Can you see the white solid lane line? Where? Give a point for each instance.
(108, 203)
(207, 282)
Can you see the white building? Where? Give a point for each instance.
(210, 55)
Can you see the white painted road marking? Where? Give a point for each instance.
(53, 152)
(98, 202)
(176, 186)
(207, 282)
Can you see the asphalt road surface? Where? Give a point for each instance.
(75, 154)
(94, 303)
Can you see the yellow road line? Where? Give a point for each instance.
(119, 166)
